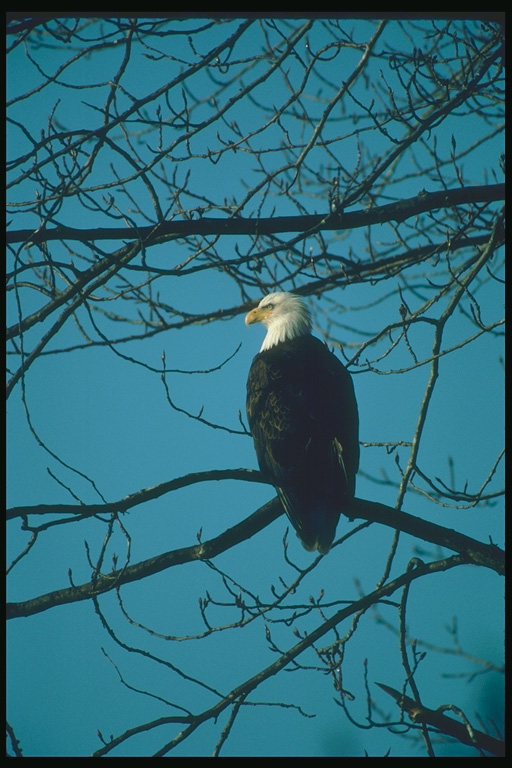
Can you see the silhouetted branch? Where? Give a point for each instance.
(420, 570)
(471, 550)
(463, 732)
(139, 497)
(399, 211)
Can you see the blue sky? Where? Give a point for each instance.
(109, 419)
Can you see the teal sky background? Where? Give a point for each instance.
(109, 419)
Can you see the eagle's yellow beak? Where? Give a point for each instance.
(256, 315)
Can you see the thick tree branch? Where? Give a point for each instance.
(139, 497)
(473, 552)
(399, 211)
(460, 731)
(477, 552)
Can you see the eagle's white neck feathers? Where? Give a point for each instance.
(285, 316)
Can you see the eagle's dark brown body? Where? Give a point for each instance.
(303, 417)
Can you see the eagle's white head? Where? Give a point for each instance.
(284, 315)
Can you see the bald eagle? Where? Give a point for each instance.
(303, 417)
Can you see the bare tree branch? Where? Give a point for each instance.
(472, 551)
(462, 732)
(399, 211)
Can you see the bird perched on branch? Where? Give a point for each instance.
(303, 417)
